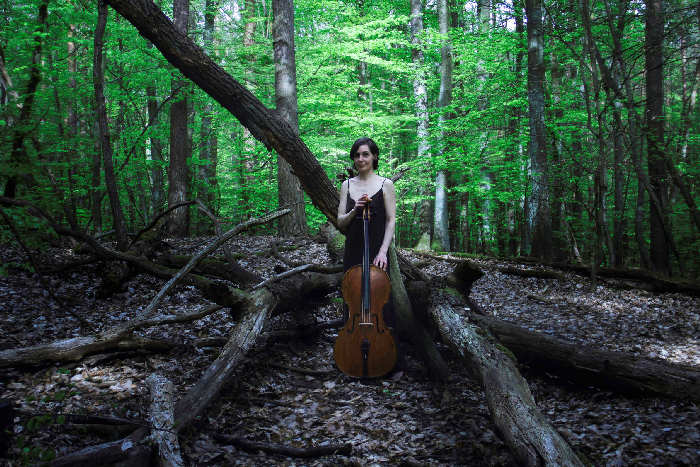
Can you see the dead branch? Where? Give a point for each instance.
(156, 219)
(117, 338)
(213, 267)
(312, 451)
(303, 371)
(304, 331)
(81, 419)
(243, 337)
(105, 453)
(227, 251)
(206, 251)
(177, 318)
(320, 268)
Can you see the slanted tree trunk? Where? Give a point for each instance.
(179, 139)
(105, 143)
(289, 190)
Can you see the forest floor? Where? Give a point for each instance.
(289, 393)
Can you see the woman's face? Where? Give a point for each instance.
(363, 158)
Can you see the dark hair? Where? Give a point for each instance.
(372, 148)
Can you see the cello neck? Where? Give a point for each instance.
(365, 260)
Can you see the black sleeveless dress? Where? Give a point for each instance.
(354, 242)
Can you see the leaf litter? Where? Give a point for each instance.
(403, 419)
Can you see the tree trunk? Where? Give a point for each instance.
(289, 189)
(539, 221)
(180, 149)
(407, 324)
(18, 154)
(532, 440)
(105, 143)
(209, 140)
(653, 48)
(157, 188)
(441, 236)
(420, 95)
(246, 162)
(95, 182)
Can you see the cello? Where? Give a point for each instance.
(365, 347)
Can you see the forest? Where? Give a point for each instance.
(170, 278)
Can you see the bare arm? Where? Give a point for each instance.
(390, 209)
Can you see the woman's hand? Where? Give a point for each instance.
(360, 203)
(380, 260)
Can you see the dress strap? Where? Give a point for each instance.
(382, 187)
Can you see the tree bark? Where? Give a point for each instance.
(654, 117)
(289, 192)
(420, 94)
(207, 180)
(441, 236)
(156, 146)
(105, 143)
(162, 419)
(18, 154)
(539, 220)
(409, 326)
(180, 149)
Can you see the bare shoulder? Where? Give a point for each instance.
(388, 185)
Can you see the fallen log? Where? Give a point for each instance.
(308, 452)
(194, 402)
(645, 279)
(532, 440)
(592, 366)
(116, 339)
(254, 312)
(76, 348)
(411, 327)
(163, 420)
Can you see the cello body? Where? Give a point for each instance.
(365, 347)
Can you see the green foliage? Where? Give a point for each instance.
(487, 132)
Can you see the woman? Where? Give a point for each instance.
(354, 196)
